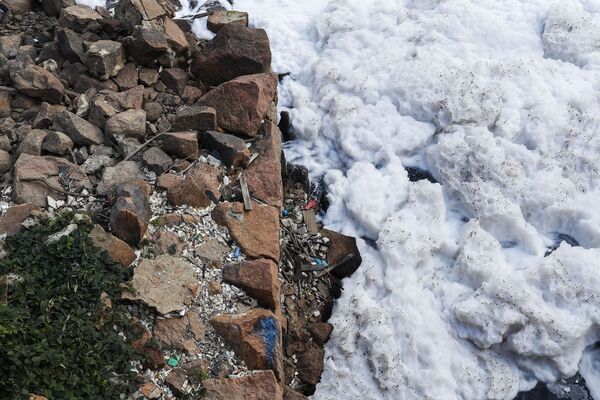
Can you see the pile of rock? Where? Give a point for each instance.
(162, 137)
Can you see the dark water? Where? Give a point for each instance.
(572, 389)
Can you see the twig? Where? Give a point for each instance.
(146, 143)
(59, 190)
(192, 17)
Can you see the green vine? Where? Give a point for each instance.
(57, 338)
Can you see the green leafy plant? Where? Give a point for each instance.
(57, 338)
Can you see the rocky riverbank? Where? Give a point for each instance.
(171, 148)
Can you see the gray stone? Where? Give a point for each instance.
(130, 123)
(78, 129)
(80, 18)
(57, 143)
(123, 172)
(157, 160)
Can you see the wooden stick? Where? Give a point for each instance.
(146, 143)
(245, 194)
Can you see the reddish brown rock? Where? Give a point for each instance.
(221, 17)
(264, 174)
(175, 79)
(78, 129)
(168, 242)
(70, 44)
(157, 160)
(171, 331)
(242, 103)
(232, 150)
(123, 172)
(127, 78)
(80, 18)
(256, 231)
(36, 82)
(46, 114)
(181, 144)
(130, 214)
(5, 100)
(148, 46)
(255, 336)
(57, 143)
(32, 143)
(105, 58)
(9, 45)
(17, 7)
(235, 51)
(117, 250)
(175, 36)
(310, 364)
(290, 394)
(130, 123)
(167, 181)
(30, 171)
(200, 187)
(195, 118)
(258, 278)
(193, 93)
(261, 385)
(148, 76)
(320, 331)
(54, 7)
(132, 12)
(342, 247)
(10, 221)
(5, 162)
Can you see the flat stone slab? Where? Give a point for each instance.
(166, 283)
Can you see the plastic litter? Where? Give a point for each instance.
(173, 361)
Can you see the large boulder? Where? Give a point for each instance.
(260, 385)
(78, 129)
(36, 82)
(255, 337)
(105, 58)
(242, 103)
(36, 178)
(258, 278)
(256, 230)
(235, 51)
(264, 174)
